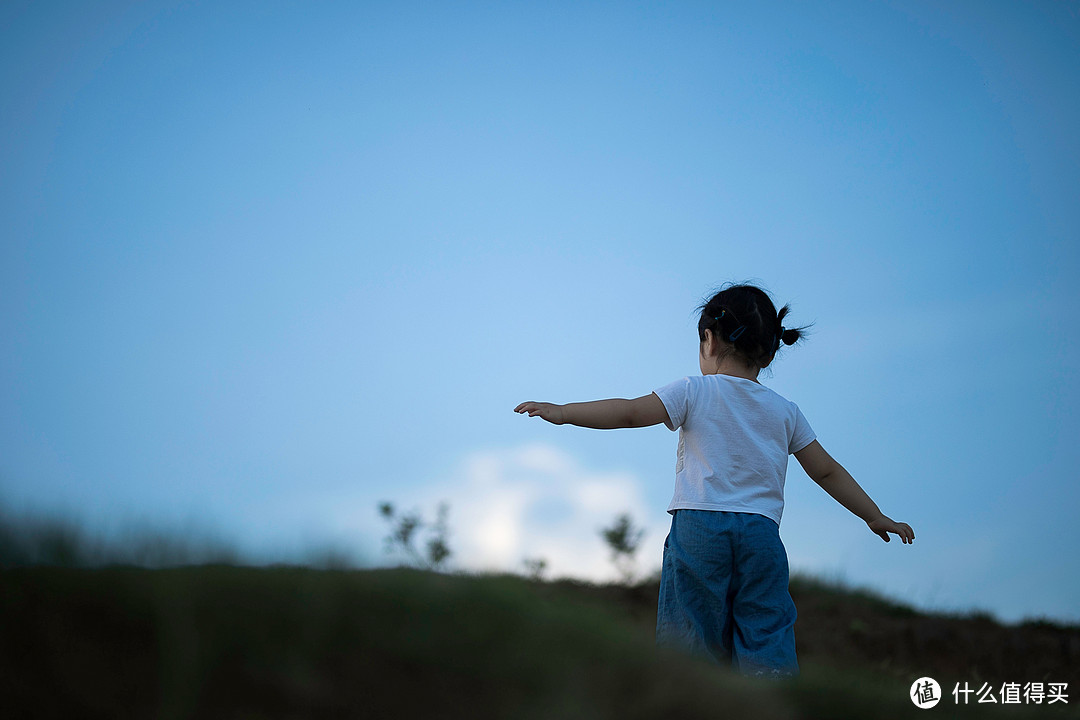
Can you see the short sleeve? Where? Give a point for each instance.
(675, 398)
(803, 434)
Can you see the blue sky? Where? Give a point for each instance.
(263, 265)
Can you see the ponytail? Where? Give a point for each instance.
(744, 317)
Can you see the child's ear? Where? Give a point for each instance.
(708, 344)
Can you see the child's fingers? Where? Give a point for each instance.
(905, 533)
(901, 530)
(533, 408)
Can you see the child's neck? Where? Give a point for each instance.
(735, 368)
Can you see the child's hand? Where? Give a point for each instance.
(550, 412)
(884, 525)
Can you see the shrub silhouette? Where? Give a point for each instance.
(623, 539)
(407, 526)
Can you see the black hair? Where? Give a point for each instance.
(745, 317)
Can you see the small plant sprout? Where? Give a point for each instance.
(535, 568)
(623, 539)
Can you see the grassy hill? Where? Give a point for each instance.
(281, 642)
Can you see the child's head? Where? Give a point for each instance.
(745, 322)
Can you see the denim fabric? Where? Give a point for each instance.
(724, 592)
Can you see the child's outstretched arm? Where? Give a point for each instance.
(601, 414)
(837, 481)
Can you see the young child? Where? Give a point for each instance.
(724, 581)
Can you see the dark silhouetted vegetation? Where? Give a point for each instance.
(535, 568)
(224, 640)
(623, 539)
(406, 527)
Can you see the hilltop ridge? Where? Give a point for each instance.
(288, 641)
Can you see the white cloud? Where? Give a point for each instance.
(528, 502)
(537, 501)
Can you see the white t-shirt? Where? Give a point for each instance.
(735, 436)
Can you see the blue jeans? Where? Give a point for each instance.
(724, 592)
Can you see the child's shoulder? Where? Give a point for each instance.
(732, 385)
